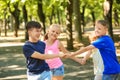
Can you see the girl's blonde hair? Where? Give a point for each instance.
(54, 25)
(51, 26)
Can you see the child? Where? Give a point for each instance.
(107, 50)
(97, 60)
(54, 46)
(33, 49)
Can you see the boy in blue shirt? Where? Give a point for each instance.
(33, 49)
(107, 50)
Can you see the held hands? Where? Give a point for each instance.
(68, 55)
(62, 55)
(83, 61)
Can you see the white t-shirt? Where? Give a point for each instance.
(97, 62)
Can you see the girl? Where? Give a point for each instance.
(54, 46)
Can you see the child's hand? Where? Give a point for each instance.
(83, 61)
(119, 43)
(68, 56)
(62, 55)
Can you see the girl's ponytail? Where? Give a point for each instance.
(46, 36)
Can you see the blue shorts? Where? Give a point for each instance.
(46, 75)
(58, 71)
(110, 77)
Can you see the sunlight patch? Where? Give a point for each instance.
(15, 77)
(76, 73)
(13, 67)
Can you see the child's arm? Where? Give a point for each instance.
(76, 59)
(64, 50)
(86, 57)
(46, 56)
(82, 50)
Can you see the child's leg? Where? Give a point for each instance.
(98, 77)
(57, 78)
(110, 77)
(46, 75)
(58, 73)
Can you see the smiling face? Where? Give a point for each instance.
(34, 34)
(33, 29)
(54, 32)
(100, 30)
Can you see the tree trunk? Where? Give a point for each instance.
(0, 29)
(41, 15)
(52, 14)
(11, 22)
(77, 20)
(25, 19)
(50, 19)
(82, 18)
(5, 22)
(16, 27)
(25, 16)
(69, 24)
(116, 18)
(118, 1)
(16, 14)
(1, 23)
(58, 16)
(108, 15)
(93, 17)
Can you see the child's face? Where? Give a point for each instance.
(54, 33)
(100, 30)
(34, 34)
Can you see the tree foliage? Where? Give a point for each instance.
(16, 12)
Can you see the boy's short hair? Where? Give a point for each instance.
(33, 24)
(103, 22)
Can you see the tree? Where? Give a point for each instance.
(116, 9)
(116, 17)
(5, 21)
(41, 15)
(0, 26)
(25, 17)
(4, 15)
(83, 17)
(14, 10)
(108, 15)
(77, 19)
(69, 24)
